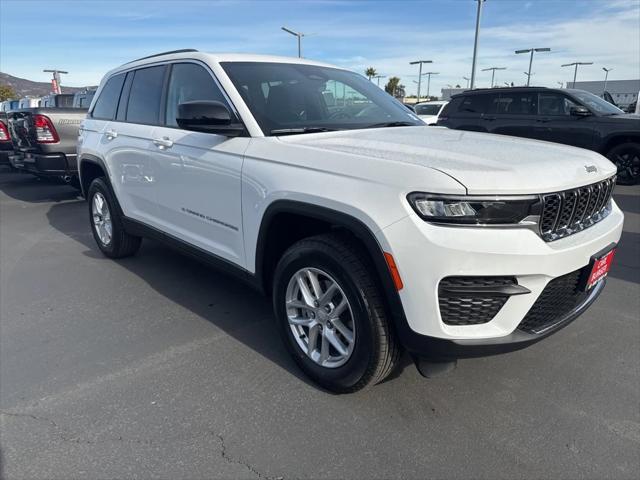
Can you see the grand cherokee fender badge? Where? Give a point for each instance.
(591, 168)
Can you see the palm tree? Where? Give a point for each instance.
(393, 86)
(370, 72)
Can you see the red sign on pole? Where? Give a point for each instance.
(54, 86)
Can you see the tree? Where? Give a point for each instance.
(7, 92)
(393, 85)
(370, 72)
(458, 85)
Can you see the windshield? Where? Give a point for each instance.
(428, 109)
(595, 103)
(294, 98)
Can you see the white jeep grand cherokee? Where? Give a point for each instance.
(372, 232)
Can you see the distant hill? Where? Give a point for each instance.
(24, 87)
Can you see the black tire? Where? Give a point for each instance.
(376, 351)
(121, 244)
(626, 158)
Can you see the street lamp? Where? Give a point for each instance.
(428, 74)
(493, 72)
(420, 62)
(528, 74)
(475, 43)
(379, 77)
(575, 72)
(56, 80)
(467, 79)
(606, 75)
(531, 58)
(296, 34)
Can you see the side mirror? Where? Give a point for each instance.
(208, 117)
(580, 111)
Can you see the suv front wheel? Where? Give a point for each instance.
(627, 158)
(331, 315)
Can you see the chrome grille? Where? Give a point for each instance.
(568, 212)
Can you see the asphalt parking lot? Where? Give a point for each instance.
(158, 367)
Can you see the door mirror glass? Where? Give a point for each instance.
(207, 116)
(580, 111)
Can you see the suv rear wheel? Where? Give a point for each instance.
(106, 223)
(626, 157)
(331, 316)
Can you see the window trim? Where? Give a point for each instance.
(90, 113)
(167, 64)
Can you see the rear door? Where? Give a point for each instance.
(514, 113)
(554, 122)
(130, 152)
(468, 113)
(198, 174)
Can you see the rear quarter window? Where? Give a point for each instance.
(474, 104)
(107, 103)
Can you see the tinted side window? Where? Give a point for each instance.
(452, 107)
(144, 98)
(516, 103)
(554, 104)
(189, 82)
(105, 107)
(474, 104)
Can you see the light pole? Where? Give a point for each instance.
(528, 74)
(575, 72)
(428, 74)
(379, 77)
(527, 50)
(296, 34)
(467, 79)
(55, 82)
(475, 43)
(606, 75)
(420, 62)
(493, 72)
(560, 83)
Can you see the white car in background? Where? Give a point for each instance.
(429, 111)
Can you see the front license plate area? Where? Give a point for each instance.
(599, 267)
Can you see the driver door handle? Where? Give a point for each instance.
(162, 143)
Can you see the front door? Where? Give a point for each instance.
(198, 174)
(556, 124)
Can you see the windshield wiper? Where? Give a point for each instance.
(294, 131)
(391, 124)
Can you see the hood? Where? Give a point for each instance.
(621, 117)
(484, 163)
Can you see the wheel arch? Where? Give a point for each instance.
(619, 139)
(89, 168)
(324, 219)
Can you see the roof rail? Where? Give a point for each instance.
(184, 50)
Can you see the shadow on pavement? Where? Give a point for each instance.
(31, 189)
(222, 300)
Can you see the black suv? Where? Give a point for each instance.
(572, 117)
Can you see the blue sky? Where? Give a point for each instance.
(87, 38)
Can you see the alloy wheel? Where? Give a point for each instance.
(320, 317)
(101, 218)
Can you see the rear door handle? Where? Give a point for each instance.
(489, 119)
(111, 134)
(543, 120)
(162, 143)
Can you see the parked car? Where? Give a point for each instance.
(572, 117)
(429, 111)
(9, 105)
(44, 141)
(29, 102)
(83, 99)
(371, 231)
(6, 147)
(58, 100)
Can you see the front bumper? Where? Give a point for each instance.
(426, 253)
(51, 164)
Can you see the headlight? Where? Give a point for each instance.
(474, 210)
